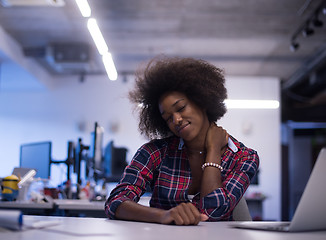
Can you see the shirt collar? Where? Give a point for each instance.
(181, 143)
(232, 145)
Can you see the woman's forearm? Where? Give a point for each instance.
(211, 179)
(129, 210)
(182, 214)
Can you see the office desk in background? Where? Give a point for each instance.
(59, 207)
(81, 208)
(64, 207)
(99, 228)
(29, 208)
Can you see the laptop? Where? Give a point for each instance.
(310, 214)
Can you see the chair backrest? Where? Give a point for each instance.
(241, 211)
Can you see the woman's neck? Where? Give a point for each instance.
(199, 143)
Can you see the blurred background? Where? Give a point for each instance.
(65, 72)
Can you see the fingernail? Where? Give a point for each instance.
(204, 217)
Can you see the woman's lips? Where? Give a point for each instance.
(179, 129)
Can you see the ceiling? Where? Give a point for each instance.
(246, 38)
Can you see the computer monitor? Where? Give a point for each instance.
(71, 157)
(114, 161)
(79, 157)
(96, 149)
(37, 156)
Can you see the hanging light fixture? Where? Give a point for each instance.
(317, 22)
(98, 38)
(307, 28)
(294, 46)
(307, 31)
(84, 8)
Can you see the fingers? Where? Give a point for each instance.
(216, 136)
(186, 214)
(203, 217)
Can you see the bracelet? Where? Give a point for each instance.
(210, 164)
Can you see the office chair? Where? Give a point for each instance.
(241, 211)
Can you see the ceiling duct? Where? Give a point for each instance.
(32, 3)
(68, 58)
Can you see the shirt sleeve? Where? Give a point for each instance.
(219, 204)
(135, 180)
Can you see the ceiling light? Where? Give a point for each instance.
(97, 36)
(109, 66)
(294, 46)
(102, 49)
(307, 31)
(317, 22)
(252, 104)
(84, 8)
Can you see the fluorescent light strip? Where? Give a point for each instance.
(98, 40)
(84, 8)
(252, 104)
(97, 36)
(109, 66)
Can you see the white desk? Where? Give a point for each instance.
(100, 228)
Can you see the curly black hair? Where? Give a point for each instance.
(199, 80)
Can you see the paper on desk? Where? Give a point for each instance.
(12, 219)
(40, 223)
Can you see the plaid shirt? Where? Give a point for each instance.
(162, 166)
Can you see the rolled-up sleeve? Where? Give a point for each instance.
(135, 180)
(219, 204)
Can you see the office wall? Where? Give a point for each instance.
(69, 110)
(260, 130)
(65, 113)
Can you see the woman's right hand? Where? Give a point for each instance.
(216, 138)
(183, 214)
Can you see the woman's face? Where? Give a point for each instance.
(183, 117)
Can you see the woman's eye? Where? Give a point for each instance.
(181, 108)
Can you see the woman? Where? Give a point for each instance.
(179, 100)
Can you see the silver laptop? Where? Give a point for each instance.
(310, 214)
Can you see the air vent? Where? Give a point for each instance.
(68, 58)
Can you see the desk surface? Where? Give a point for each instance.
(73, 204)
(25, 205)
(99, 228)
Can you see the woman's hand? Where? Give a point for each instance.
(183, 214)
(216, 138)
(216, 141)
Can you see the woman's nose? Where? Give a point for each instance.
(177, 118)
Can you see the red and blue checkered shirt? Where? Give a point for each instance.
(162, 166)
